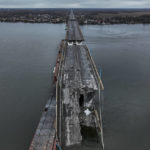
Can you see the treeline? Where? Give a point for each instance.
(84, 16)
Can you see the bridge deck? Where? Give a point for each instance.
(78, 68)
(77, 79)
(74, 33)
(71, 16)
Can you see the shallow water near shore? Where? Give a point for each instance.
(27, 57)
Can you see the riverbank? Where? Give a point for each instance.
(84, 16)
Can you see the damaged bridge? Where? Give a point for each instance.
(76, 104)
(78, 89)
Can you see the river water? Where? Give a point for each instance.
(27, 56)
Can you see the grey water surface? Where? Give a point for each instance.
(27, 57)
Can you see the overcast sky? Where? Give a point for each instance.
(74, 3)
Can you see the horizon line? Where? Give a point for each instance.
(67, 8)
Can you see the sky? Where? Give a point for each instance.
(74, 3)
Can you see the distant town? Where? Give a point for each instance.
(84, 16)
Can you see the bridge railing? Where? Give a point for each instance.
(98, 78)
(58, 98)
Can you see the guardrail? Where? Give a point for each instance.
(95, 69)
(58, 96)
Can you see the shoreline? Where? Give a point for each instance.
(79, 24)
